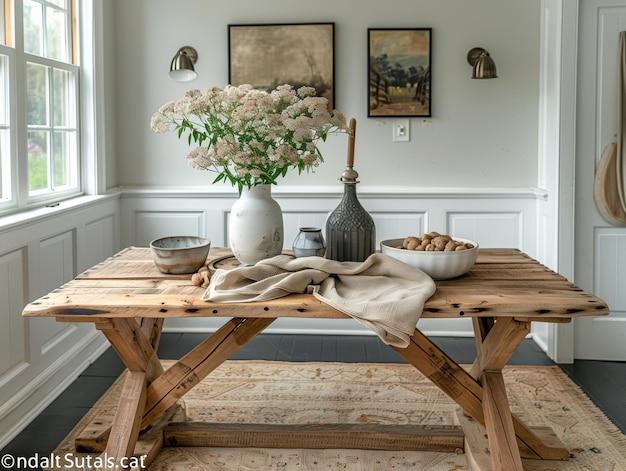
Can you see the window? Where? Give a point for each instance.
(52, 135)
(51, 104)
(45, 161)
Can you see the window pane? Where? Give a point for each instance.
(33, 27)
(64, 157)
(56, 34)
(5, 165)
(3, 13)
(60, 3)
(37, 160)
(37, 94)
(4, 90)
(64, 96)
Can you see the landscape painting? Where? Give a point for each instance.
(399, 72)
(266, 56)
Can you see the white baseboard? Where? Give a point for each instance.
(21, 409)
(539, 341)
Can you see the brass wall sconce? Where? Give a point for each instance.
(483, 66)
(181, 67)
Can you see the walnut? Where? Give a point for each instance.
(408, 240)
(450, 246)
(196, 279)
(430, 248)
(412, 245)
(439, 243)
(460, 248)
(201, 278)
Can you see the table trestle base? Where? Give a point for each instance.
(148, 417)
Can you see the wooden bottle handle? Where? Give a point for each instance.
(351, 137)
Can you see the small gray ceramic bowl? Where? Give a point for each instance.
(179, 255)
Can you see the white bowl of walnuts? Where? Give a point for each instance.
(439, 255)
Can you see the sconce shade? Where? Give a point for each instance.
(483, 66)
(182, 65)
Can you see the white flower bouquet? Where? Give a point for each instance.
(251, 137)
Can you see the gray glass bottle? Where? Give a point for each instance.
(350, 230)
(309, 243)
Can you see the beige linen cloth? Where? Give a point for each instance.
(381, 293)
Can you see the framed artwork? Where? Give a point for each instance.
(268, 55)
(399, 72)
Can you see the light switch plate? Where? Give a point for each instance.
(401, 130)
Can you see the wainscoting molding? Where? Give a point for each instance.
(497, 217)
(40, 250)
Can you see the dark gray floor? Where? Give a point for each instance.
(604, 382)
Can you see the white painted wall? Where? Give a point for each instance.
(483, 133)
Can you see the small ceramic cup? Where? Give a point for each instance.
(309, 243)
(180, 254)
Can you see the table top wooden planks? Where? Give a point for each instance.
(503, 282)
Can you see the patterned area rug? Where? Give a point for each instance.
(290, 393)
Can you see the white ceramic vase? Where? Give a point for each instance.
(256, 225)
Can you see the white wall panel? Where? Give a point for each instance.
(12, 345)
(56, 266)
(100, 237)
(488, 229)
(392, 225)
(610, 268)
(603, 337)
(611, 19)
(153, 224)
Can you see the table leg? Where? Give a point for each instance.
(152, 328)
(495, 343)
(93, 438)
(505, 454)
(125, 428)
(466, 391)
(148, 391)
(136, 352)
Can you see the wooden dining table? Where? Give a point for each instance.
(128, 299)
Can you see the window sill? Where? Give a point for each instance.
(29, 216)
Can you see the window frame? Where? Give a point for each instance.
(21, 197)
(12, 200)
